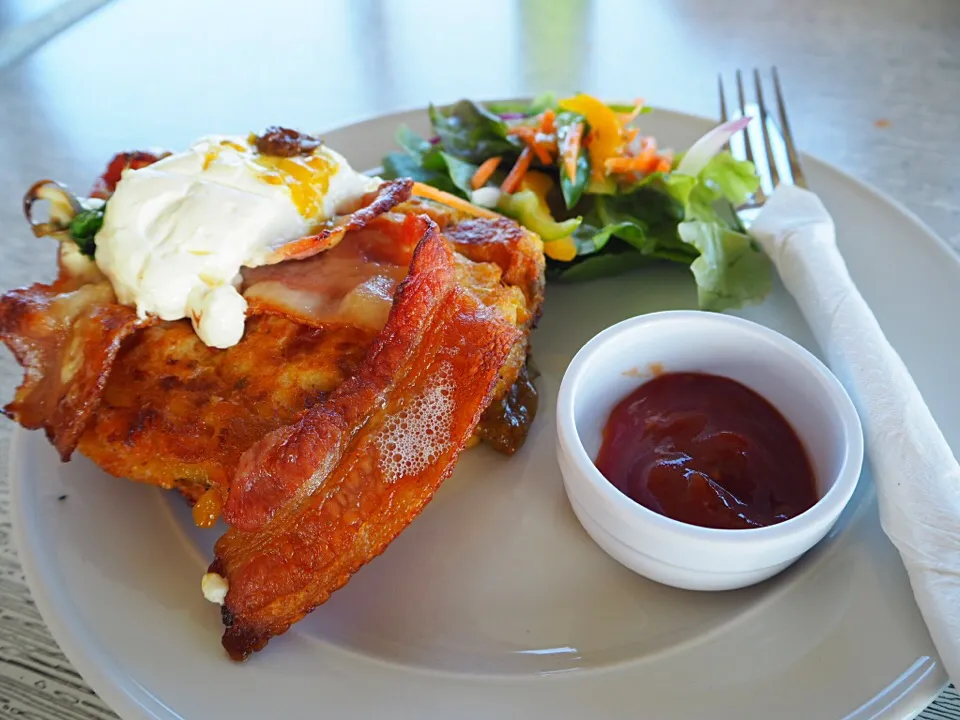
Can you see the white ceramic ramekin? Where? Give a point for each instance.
(623, 357)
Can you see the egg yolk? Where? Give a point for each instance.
(306, 176)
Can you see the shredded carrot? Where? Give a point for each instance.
(542, 151)
(621, 165)
(646, 162)
(630, 134)
(524, 132)
(647, 158)
(517, 172)
(627, 118)
(548, 125)
(445, 198)
(541, 144)
(663, 165)
(483, 173)
(571, 149)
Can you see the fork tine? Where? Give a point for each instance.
(764, 116)
(795, 168)
(723, 99)
(759, 196)
(723, 108)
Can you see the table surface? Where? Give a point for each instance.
(873, 86)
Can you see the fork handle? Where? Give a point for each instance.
(915, 473)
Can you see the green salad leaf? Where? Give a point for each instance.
(471, 132)
(426, 162)
(426, 154)
(731, 269)
(723, 178)
(603, 265)
(601, 226)
(84, 227)
(460, 172)
(735, 180)
(536, 106)
(644, 219)
(398, 164)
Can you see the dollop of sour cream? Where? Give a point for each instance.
(176, 233)
(214, 587)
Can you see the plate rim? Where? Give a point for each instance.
(96, 668)
(913, 691)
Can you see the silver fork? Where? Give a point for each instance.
(772, 167)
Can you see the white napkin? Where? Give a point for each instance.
(916, 476)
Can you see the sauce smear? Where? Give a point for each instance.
(707, 451)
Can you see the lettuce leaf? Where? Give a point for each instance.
(673, 216)
(686, 219)
(723, 178)
(734, 180)
(731, 269)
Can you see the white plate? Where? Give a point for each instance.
(495, 602)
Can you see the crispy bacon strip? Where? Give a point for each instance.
(387, 196)
(66, 342)
(67, 335)
(315, 501)
(350, 284)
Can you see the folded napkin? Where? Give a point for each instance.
(916, 476)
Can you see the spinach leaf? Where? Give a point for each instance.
(460, 171)
(645, 220)
(600, 266)
(426, 154)
(619, 221)
(428, 163)
(471, 132)
(399, 164)
(412, 143)
(83, 229)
